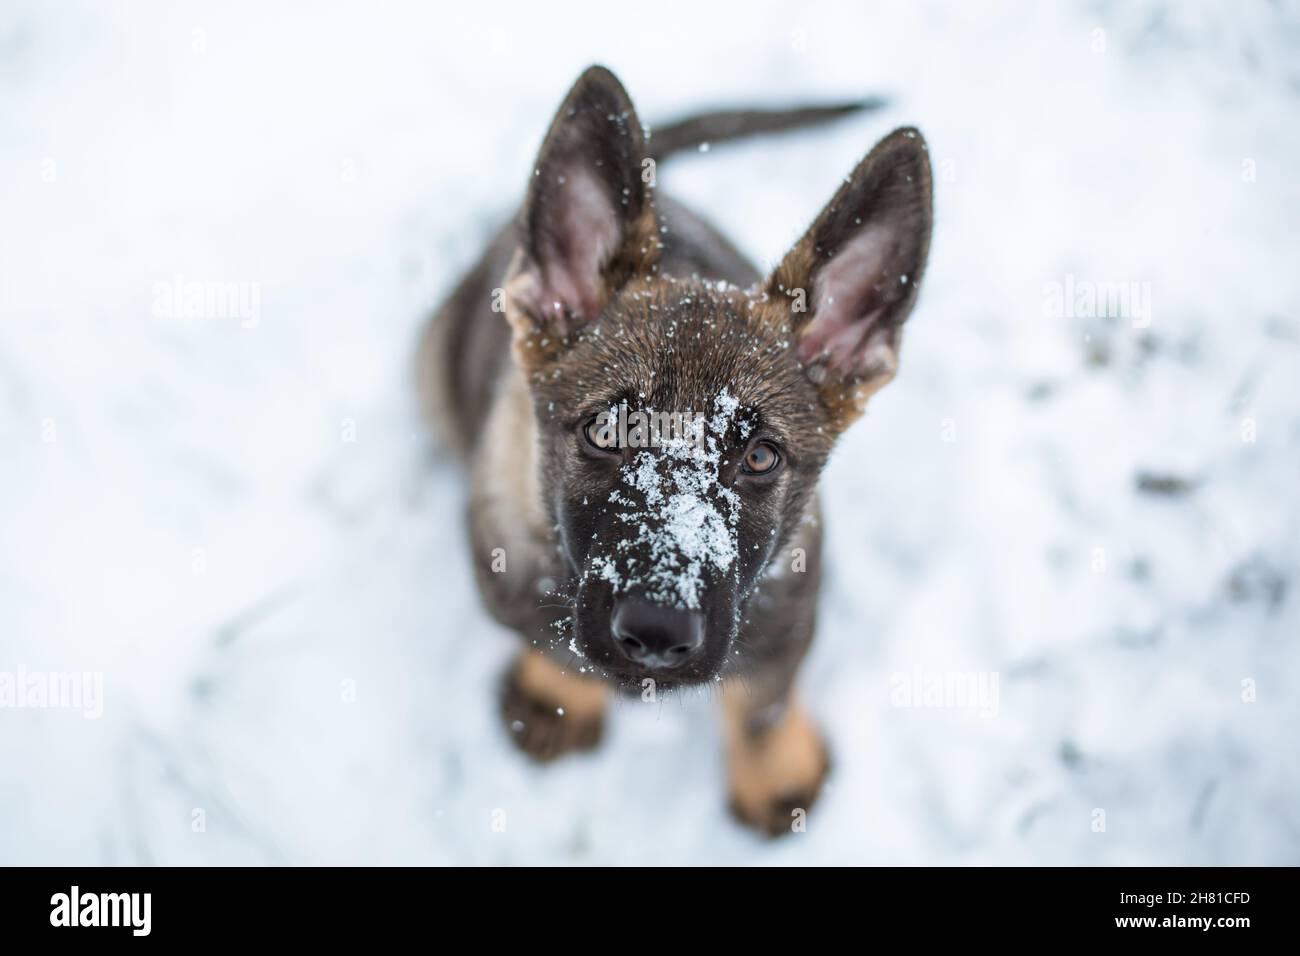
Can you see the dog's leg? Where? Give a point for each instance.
(549, 712)
(776, 757)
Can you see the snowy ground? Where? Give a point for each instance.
(243, 527)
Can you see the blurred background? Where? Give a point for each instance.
(232, 514)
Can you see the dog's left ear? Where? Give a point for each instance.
(853, 278)
(589, 222)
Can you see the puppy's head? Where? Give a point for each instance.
(683, 424)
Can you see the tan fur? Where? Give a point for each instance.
(772, 770)
(433, 387)
(845, 403)
(551, 712)
(505, 495)
(579, 697)
(538, 341)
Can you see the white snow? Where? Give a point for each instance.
(680, 512)
(236, 518)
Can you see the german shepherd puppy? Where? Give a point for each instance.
(624, 557)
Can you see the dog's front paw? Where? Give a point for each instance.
(776, 775)
(548, 713)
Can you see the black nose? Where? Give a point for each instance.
(656, 636)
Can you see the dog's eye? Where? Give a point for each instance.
(761, 459)
(600, 434)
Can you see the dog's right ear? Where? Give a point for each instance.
(589, 224)
(850, 282)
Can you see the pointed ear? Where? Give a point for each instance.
(588, 223)
(852, 279)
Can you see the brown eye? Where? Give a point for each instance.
(761, 459)
(601, 433)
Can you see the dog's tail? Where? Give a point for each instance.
(726, 125)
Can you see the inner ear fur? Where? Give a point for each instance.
(851, 281)
(588, 223)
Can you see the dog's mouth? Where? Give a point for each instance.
(631, 679)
